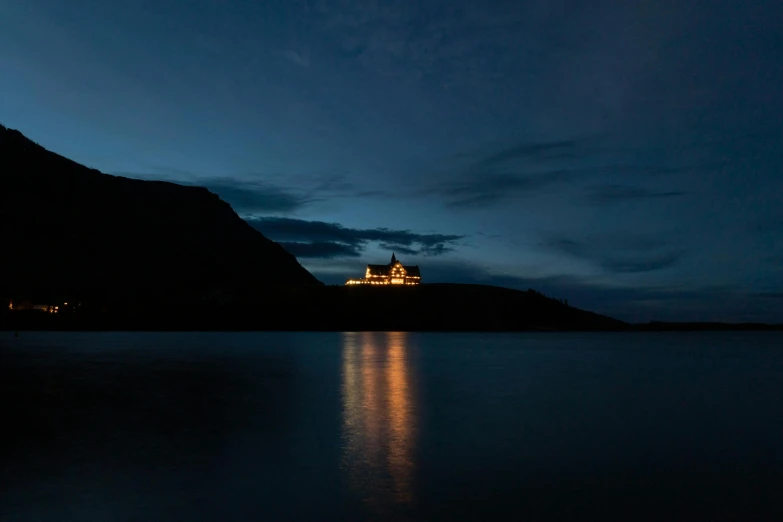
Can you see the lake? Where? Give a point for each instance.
(391, 426)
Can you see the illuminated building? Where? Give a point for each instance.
(392, 274)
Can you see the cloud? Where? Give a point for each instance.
(301, 59)
(532, 168)
(620, 254)
(521, 169)
(532, 151)
(256, 197)
(245, 197)
(321, 249)
(270, 195)
(635, 265)
(489, 189)
(400, 249)
(485, 179)
(327, 240)
(606, 194)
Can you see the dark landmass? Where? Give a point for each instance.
(70, 231)
(657, 326)
(428, 307)
(114, 253)
(433, 307)
(117, 253)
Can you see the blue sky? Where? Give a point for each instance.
(623, 155)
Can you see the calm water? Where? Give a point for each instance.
(362, 426)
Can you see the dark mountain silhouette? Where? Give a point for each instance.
(428, 307)
(446, 307)
(68, 230)
(136, 255)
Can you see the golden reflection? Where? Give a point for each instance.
(378, 416)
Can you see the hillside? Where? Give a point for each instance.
(449, 307)
(74, 232)
(120, 253)
(434, 307)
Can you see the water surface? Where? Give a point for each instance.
(391, 426)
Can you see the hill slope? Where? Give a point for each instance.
(148, 255)
(437, 307)
(434, 307)
(70, 230)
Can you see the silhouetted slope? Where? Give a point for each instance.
(659, 326)
(442, 307)
(154, 255)
(437, 307)
(70, 230)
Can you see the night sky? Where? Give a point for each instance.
(625, 155)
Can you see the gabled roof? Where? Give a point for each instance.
(379, 269)
(385, 270)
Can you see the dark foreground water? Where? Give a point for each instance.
(362, 426)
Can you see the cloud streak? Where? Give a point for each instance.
(321, 249)
(489, 189)
(620, 254)
(248, 197)
(487, 179)
(534, 151)
(300, 59)
(257, 197)
(319, 239)
(521, 169)
(607, 194)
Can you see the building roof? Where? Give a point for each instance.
(379, 270)
(413, 271)
(385, 270)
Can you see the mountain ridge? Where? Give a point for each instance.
(72, 229)
(119, 253)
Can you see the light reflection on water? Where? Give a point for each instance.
(379, 409)
(390, 427)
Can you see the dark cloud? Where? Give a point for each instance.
(334, 240)
(606, 194)
(269, 197)
(620, 254)
(321, 249)
(772, 295)
(488, 179)
(641, 264)
(301, 59)
(523, 168)
(489, 189)
(400, 249)
(532, 152)
(246, 197)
